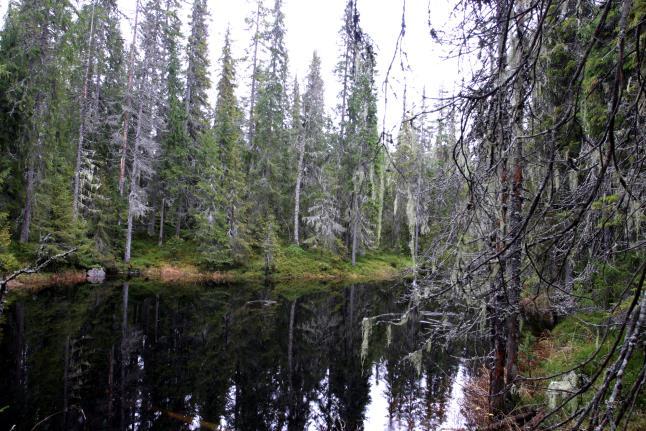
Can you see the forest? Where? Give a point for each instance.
(508, 210)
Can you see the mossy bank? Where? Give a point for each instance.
(180, 261)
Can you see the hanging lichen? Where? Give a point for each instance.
(415, 359)
(366, 331)
(411, 216)
(389, 335)
(403, 320)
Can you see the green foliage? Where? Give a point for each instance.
(271, 173)
(579, 340)
(611, 280)
(55, 224)
(8, 261)
(270, 245)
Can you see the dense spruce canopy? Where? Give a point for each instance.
(518, 196)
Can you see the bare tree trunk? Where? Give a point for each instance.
(161, 222)
(380, 207)
(516, 216)
(126, 114)
(297, 192)
(152, 221)
(515, 254)
(126, 256)
(497, 375)
(515, 284)
(497, 389)
(134, 182)
(79, 147)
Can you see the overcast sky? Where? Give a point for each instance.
(314, 25)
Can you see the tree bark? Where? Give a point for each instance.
(380, 203)
(355, 226)
(134, 182)
(515, 216)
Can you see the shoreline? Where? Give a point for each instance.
(183, 273)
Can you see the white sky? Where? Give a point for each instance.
(314, 25)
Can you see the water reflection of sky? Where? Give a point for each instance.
(379, 416)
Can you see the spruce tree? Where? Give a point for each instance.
(362, 151)
(271, 151)
(198, 82)
(222, 231)
(36, 57)
(297, 140)
(145, 150)
(197, 110)
(311, 144)
(99, 91)
(175, 149)
(256, 23)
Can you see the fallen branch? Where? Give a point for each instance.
(30, 270)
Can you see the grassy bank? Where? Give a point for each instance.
(579, 339)
(179, 260)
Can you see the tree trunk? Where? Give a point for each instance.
(161, 222)
(29, 201)
(126, 114)
(497, 375)
(134, 182)
(79, 147)
(297, 192)
(380, 205)
(126, 256)
(178, 224)
(152, 221)
(516, 216)
(497, 392)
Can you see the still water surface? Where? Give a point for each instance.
(145, 356)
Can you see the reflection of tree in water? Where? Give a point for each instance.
(349, 386)
(161, 357)
(417, 398)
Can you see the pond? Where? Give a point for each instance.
(146, 356)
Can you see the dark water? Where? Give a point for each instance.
(142, 356)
